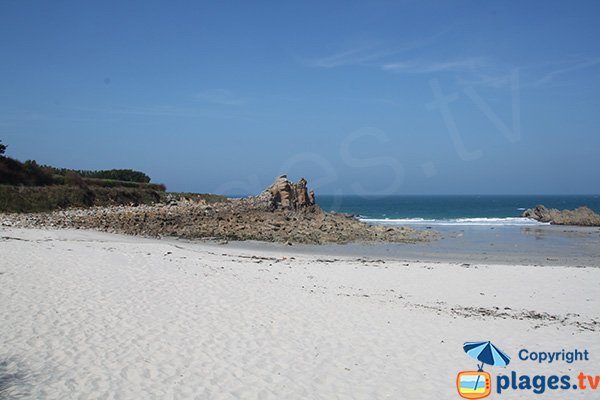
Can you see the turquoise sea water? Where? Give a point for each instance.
(451, 210)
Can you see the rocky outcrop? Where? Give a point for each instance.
(284, 213)
(290, 196)
(581, 216)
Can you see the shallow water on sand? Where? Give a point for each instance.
(542, 244)
(537, 245)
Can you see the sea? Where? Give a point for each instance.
(456, 210)
(479, 228)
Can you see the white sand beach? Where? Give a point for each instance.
(90, 315)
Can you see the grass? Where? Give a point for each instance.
(111, 183)
(47, 198)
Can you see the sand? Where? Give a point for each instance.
(89, 315)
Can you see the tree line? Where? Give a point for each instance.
(30, 173)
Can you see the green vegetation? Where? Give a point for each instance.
(124, 175)
(72, 178)
(29, 187)
(48, 198)
(29, 173)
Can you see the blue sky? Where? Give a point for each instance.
(375, 97)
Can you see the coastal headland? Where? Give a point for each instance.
(284, 212)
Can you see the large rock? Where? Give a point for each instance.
(581, 216)
(290, 196)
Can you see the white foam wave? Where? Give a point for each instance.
(510, 221)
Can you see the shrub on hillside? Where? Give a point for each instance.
(72, 178)
(124, 175)
(108, 183)
(38, 176)
(127, 175)
(29, 173)
(47, 198)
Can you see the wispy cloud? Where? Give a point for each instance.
(404, 59)
(424, 67)
(367, 53)
(469, 70)
(493, 77)
(572, 67)
(355, 56)
(150, 110)
(221, 97)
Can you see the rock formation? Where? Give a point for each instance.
(581, 216)
(290, 196)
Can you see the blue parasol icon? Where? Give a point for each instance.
(487, 353)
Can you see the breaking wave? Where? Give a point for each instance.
(509, 221)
